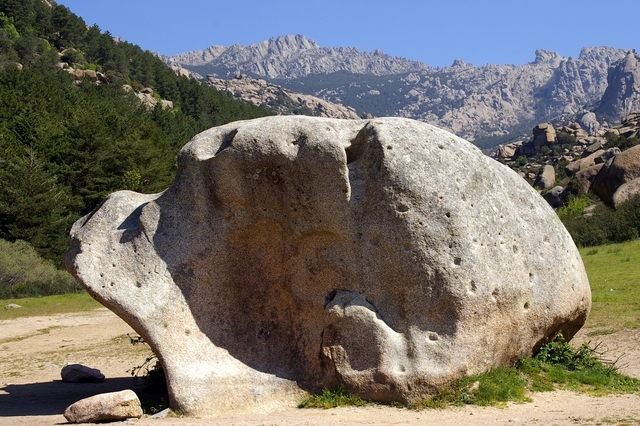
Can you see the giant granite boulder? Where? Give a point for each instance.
(292, 253)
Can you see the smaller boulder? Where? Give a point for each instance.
(546, 177)
(607, 155)
(106, 407)
(625, 192)
(587, 176)
(12, 306)
(78, 373)
(555, 196)
(543, 134)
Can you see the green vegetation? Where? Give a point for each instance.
(24, 273)
(48, 305)
(65, 143)
(331, 398)
(605, 225)
(574, 207)
(614, 277)
(556, 365)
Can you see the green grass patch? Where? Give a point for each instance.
(48, 305)
(614, 276)
(556, 366)
(332, 398)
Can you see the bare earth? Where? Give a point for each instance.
(33, 350)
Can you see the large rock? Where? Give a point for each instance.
(622, 168)
(543, 134)
(105, 407)
(384, 255)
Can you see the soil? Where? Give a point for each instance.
(33, 350)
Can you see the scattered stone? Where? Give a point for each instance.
(12, 306)
(293, 253)
(78, 373)
(161, 414)
(546, 177)
(106, 407)
(555, 196)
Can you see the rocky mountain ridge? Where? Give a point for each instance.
(490, 102)
(292, 56)
(278, 99)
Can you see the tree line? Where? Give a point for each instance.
(65, 144)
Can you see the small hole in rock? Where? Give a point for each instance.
(457, 261)
(526, 305)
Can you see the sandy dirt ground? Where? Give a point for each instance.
(33, 350)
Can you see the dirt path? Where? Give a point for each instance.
(33, 350)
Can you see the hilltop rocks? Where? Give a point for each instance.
(488, 100)
(543, 133)
(622, 95)
(285, 102)
(293, 253)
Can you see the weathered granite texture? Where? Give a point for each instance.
(292, 253)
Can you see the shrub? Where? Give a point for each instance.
(606, 225)
(24, 273)
(574, 207)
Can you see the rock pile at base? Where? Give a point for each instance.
(294, 253)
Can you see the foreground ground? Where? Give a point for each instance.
(34, 349)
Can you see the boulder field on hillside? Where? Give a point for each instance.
(294, 253)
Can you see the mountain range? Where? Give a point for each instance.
(487, 104)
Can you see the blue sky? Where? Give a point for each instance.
(432, 31)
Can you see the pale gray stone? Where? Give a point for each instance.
(546, 177)
(105, 407)
(12, 306)
(625, 192)
(78, 373)
(292, 253)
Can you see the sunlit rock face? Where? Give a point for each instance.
(292, 253)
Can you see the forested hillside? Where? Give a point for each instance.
(66, 142)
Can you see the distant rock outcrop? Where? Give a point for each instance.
(293, 57)
(385, 256)
(259, 92)
(622, 95)
(471, 101)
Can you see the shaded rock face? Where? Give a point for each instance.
(292, 253)
(621, 169)
(622, 95)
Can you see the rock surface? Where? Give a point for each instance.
(471, 101)
(622, 95)
(78, 373)
(292, 253)
(259, 92)
(622, 168)
(113, 406)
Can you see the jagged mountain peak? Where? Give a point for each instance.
(292, 56)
